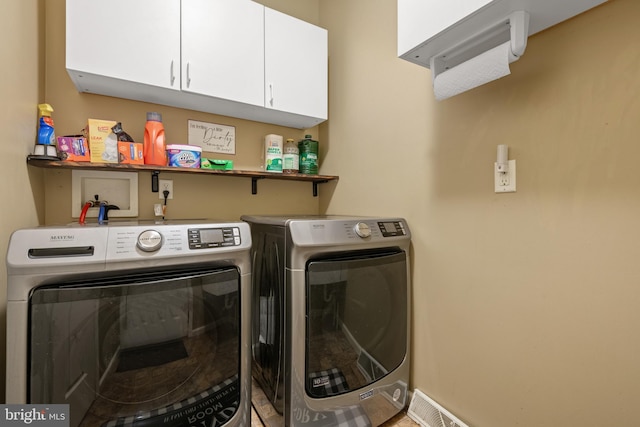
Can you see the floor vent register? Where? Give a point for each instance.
(428, 413)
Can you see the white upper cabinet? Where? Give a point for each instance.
(296, 70)
(427, 28)
(223, 49)
(129, 40)
(229, 57)
(423, 19)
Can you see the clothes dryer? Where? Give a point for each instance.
(132, 324)
(331, 309)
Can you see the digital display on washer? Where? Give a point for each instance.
(211, 235)
(389, 229)
(203, 238)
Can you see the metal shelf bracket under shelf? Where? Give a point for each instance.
(155, 183)
(254, 185)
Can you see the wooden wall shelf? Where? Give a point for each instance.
(156, 170)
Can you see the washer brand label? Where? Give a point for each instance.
(62, 237)
(366, 394)
(34, 415)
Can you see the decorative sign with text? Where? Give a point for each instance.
(212, 137)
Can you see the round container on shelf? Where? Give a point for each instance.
(184, 156)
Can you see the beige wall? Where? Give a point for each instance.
(526, 305)
(21, 89)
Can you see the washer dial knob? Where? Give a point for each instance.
(149, 241)
(362, 230)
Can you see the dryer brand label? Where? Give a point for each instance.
(366, 394)
(321, 381)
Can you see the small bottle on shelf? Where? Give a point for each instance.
(290, 157)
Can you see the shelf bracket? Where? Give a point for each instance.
(155, 187)
(254, 184)
(315, 187)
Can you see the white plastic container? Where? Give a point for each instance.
(273, 146)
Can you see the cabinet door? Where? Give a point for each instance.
(420, 20)
(295, 65)
(136, 41)
(223, 49)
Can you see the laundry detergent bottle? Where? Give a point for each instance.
(155, 152)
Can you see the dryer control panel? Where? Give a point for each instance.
(337, 231)
(391, 228)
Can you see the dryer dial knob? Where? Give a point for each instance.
(362, 230)
(149, 241)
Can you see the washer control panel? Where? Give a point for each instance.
(168, 240)
(203, 238)
(392, 228)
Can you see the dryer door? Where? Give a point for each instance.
(148, 348)
(356, 330)
(268, 313)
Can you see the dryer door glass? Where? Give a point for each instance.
(356, 320)
(145, 349)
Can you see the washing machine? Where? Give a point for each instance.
(331, 310)
(133, 323)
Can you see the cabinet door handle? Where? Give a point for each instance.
(173, 76)
(188, 75)
(271, 94)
